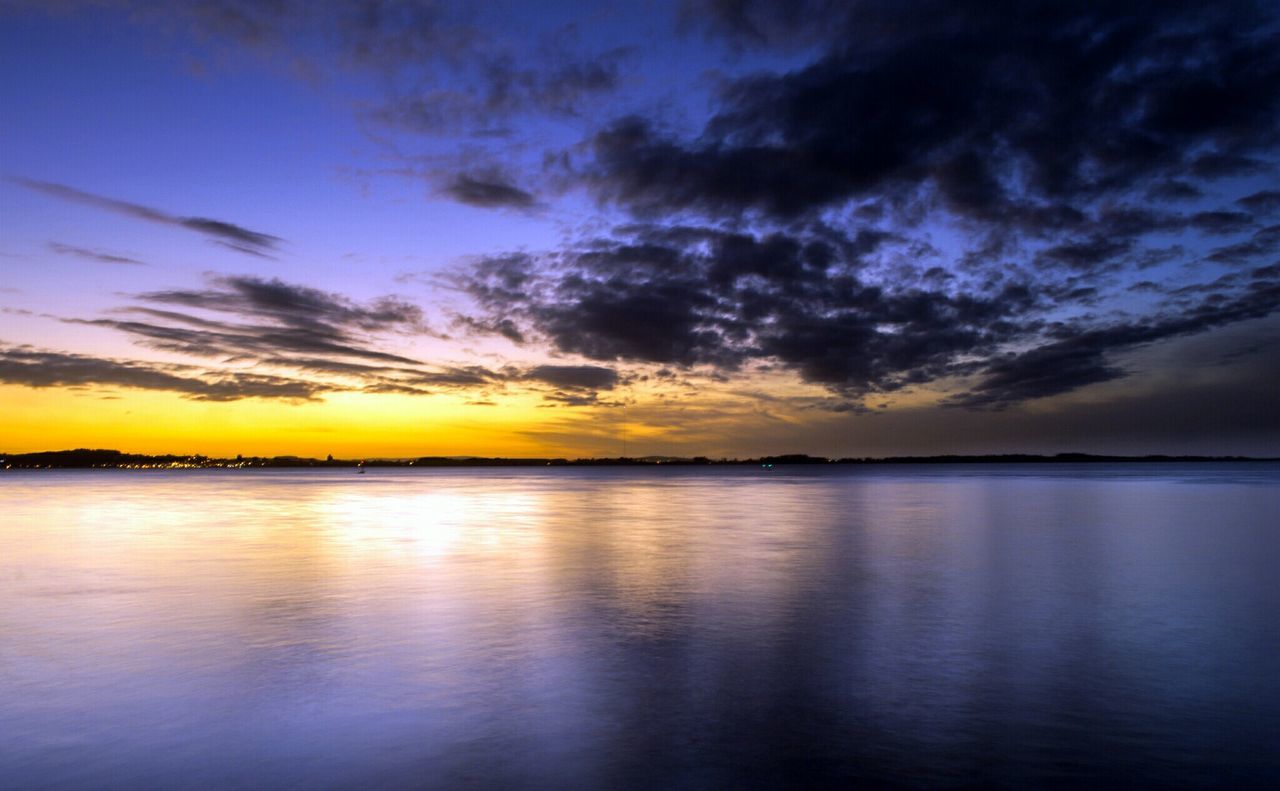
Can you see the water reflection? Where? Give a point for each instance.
(638, 628)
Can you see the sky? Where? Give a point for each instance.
(698, 227)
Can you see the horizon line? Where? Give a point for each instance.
(104, 458)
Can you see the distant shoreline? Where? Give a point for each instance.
(113, 459)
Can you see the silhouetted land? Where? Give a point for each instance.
(83, 458)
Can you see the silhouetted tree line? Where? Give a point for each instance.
(83, 458)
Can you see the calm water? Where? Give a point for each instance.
(651, 628)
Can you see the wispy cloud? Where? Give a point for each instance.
(228, 234)
(93, 255)
(260, 319)
(489, 191)
(325, 339)
(25, 365)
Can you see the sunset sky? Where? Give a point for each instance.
(718, 227)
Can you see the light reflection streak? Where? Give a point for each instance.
(580, 627)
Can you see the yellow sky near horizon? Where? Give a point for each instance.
(637, 420)
(343, 424)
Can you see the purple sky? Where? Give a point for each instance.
(716, 227)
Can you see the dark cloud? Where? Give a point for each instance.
(23, 365)
(93, 255)
(557, 85)
(1264, 202)
(1264, 242)
(732, 298)
(1080, 356)
(444, 68)
(574, 377)
(1088, 254)
(485, 93)
(1051, 121)
(294, 306)
(761, 24)
(463, 376)
(278, 325)
(488, 191)
(228, 234)
(1222, 222)
(574, 398)
(812, 303)
(332, 366)
(1155, 414)
(1041, 372)
(1013, 194)
(620, 318)
(1173, 190)
(442, 71)
(1046, 103)
(328, 338)
(1218, 165)
(267, 322)
(232, 341)
(496, 94)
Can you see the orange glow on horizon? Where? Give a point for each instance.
(346, 425)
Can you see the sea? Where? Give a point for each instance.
(898, 626)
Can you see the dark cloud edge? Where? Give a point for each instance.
(781, 300)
